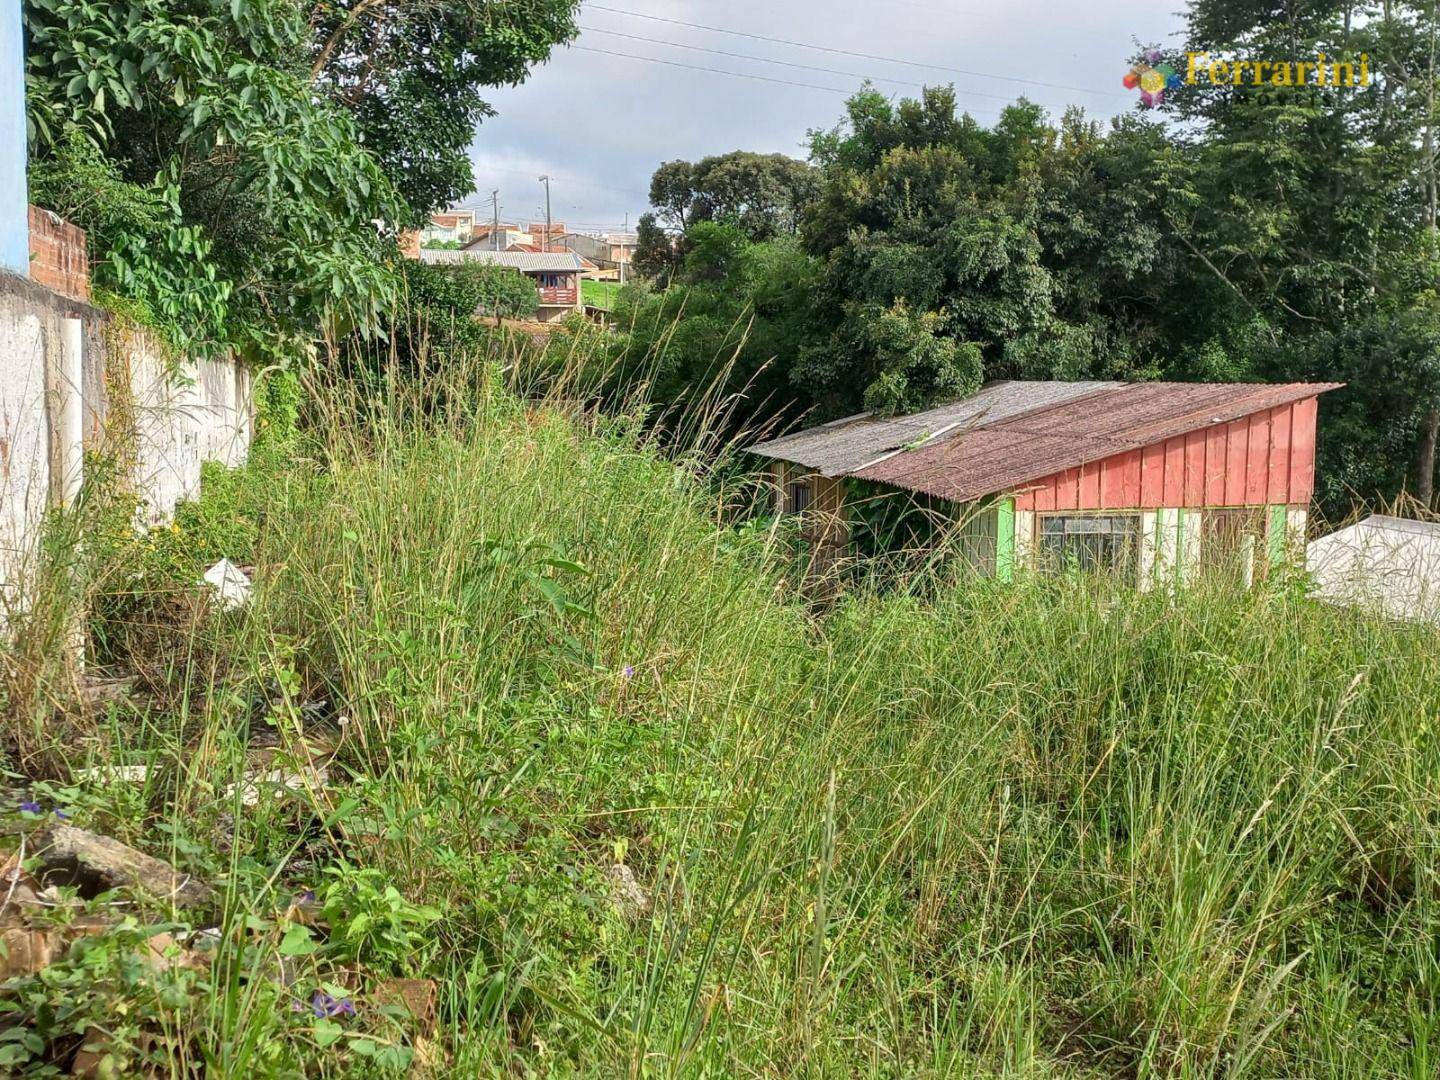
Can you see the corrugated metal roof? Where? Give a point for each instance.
(524, 261)
(842, 447)
(1013, 433)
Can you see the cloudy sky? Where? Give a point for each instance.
(599, 122)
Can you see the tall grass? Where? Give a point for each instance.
(1048, 829)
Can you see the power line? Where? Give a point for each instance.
(761, 59)
(721, 71)
(848, 52)
(714, 71)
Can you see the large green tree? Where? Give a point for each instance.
(413, 73)
(761, 194)
(234, 203)
(1309, 218)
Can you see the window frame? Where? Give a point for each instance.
(1130, 541)
(799, 484)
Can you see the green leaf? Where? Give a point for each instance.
(297, 942)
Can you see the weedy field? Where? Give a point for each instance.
(549, 739)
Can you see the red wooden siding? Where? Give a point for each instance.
(1267, 457)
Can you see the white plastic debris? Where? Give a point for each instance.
(114, 774)
(231, 584)
(278, 783)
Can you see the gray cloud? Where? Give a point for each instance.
(599, 123)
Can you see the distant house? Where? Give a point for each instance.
(1149, 480)
(538, 231)
(1387, 565)
(497, 238)
(610, 252)
(455, 227)
(556, 274)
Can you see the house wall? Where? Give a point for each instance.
(1264, 459)
(557, 312)
(825, 522)
(14, 213)
(59, 259)
(1170, 545)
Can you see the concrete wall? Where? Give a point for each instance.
(30, 329)
(184, 416)
(71, 380)
(14, 205)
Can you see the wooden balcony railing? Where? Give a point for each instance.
(558, 297)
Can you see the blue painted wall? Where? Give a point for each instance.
(14, 213)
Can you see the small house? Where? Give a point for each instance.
(610, 252)
(556, 274)
(454, 227)
(1145, 480)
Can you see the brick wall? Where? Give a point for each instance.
(58, 259)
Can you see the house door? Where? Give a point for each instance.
(1232, 544)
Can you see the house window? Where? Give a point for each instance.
(798, 496)
(1090, 542)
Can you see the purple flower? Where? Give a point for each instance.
(62, 815)
(628, 671)
(324, 1006)
(30, 808)
(306, 897)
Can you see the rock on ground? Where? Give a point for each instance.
(96, 864)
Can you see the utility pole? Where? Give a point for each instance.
(622, 260)
(495, 220)
(546, 181)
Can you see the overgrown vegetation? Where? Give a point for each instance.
(1050, 829)
(517, 714)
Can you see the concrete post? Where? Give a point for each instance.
(14, 199)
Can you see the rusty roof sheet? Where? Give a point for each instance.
(843, 447)
(1007, 454)
(1013, 433)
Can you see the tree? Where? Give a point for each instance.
(270, 207)
(439, 309)
(208, 109)
(764, 195)
(907, 362)
(672, 191)
(411, 73)
(1313, 207)
(655, 254)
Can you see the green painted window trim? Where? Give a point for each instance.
(1276, 534)
(1005, 540)
(1180, 552)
